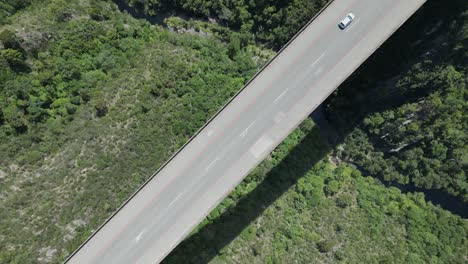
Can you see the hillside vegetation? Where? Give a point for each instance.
(10, 7)
(272, 22)
(93, 101)
(402, 118)
(409, 102)
(408, 108)
(307, 210)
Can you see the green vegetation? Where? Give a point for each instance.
(412, 127)
(424, 142)
(272, 22)
(93, 101)
(9, 7)
(305, 209)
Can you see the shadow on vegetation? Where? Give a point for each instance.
(125, 8)
(158, 19)
(364, 92)
(204, 245)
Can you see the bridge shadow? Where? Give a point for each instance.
(205, 244)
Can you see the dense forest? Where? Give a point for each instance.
(92, 101)
(271, 22)
(9, 7)
(411, 123)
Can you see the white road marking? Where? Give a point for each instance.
(177, 198)
(353, 24)
(211, 164)
(281, 95)
(246, 130)
(317, 60)
(210, 132)
(137, 238)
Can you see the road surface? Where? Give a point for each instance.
(197, 178)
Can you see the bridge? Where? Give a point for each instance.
(214, 161)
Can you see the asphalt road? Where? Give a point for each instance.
(163, 212)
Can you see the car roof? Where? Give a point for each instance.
(346, 19)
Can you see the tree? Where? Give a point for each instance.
(326, 245)
(101, 107)
(9, 39)
(234, 45)
(14, 58)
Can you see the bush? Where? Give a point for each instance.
(332, 188)
(344, 200)
(9, 39)
(101, 108)
(14, 58)
(61, 11)
(325, 246)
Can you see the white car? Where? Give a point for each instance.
(346, 21)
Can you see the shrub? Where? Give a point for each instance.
(325, 246)
(101, 108)
(9, 39)
(344, 200)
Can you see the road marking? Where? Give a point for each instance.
(281, 95)
(317, 60)
(246, 130)
(121, 229)
(177, 198)
(211, 164)
(353, 24)
(137, 238)
(210, 132)
(104, 247)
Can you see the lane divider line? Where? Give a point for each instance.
(322, 11)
